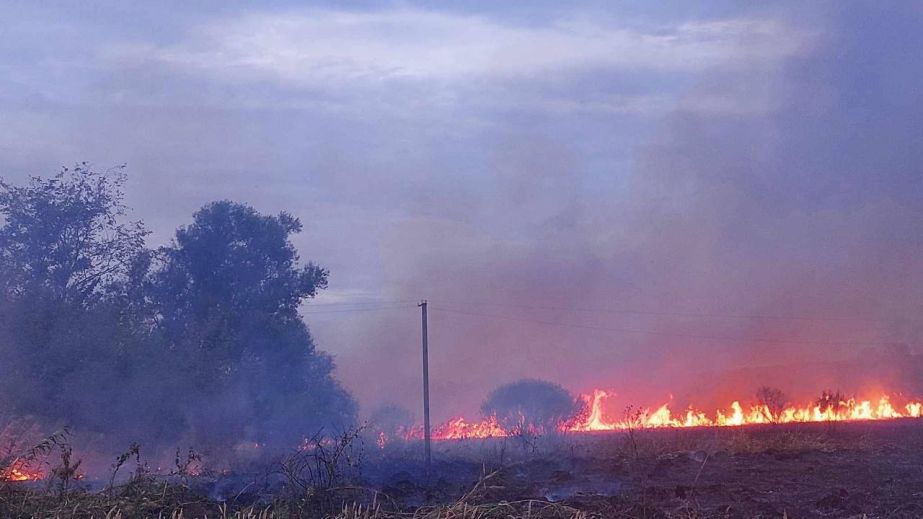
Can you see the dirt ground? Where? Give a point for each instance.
(851, 469)
(806, 470)
(876, 471)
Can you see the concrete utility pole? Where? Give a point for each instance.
(426, 430)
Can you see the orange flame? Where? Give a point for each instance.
(20, 473)
(733, 415)
(459, 429)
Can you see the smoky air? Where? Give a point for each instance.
(419, 260)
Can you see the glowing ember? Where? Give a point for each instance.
(735, 414)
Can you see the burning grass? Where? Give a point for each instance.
(770, 407)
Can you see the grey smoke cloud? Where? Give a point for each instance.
(805, 203)
(667, 159)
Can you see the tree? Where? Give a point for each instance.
(64, 236)
(831, 401)
(230, 268)
(200, 340)
(227, 296)
(392, 420)
(773, 401)
(75, 341)
(67, 264)
(531, 406)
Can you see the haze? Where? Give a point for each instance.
(602, 196)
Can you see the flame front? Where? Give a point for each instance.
(735, 414)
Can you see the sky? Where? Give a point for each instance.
(596, 193)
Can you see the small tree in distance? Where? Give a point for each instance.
(773, 401)
(392, 420)
(530, 406)
(833, 401)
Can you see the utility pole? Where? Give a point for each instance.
(426, 430)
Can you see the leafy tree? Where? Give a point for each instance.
(531, 406)
(202, 339)
(66, 257)
(227, 296)
(233, 267)
(63, 236)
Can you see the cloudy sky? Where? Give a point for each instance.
(591, 193)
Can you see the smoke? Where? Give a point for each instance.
(770, 216)
(531, 406)
(774, 218)
(203, 347)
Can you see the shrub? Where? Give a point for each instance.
(531, 406)
(773, 401)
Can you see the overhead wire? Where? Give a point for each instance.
(650, 332)
(340, 310)
(373, 306)
(605, 310)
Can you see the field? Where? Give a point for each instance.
(806, 470)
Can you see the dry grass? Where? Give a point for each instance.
(173, 502)
(657, 443)
(489, 498)
(782, 441)
(467, 507)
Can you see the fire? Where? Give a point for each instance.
(459, 429)
(20, 474)
(734, 415)
(594, 420)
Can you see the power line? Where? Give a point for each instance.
(650, 332)
(361, 309)
(360, 306)
(363, 303)
(673, 314)
(397, 305)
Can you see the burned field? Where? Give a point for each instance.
(793, 470)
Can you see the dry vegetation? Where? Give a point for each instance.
(772, 471)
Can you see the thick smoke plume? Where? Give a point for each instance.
(780, 227)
